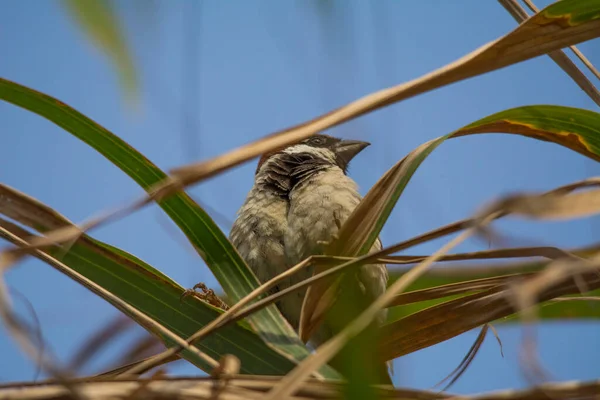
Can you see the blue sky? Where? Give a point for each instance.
(260, 67)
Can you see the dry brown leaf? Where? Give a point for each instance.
(255, 387)
(472, 271)
(475, 285)
(578, 298)
(447, 320)
(29, 211)
(466, 361)
(574, 49)
(483, 283)
(537, 36)
(317, 305)
(551, 206)
(549, 252)
(123, 369)
(466, 223)
(558, 56)
(370, 258)
(524, 296)
(352, 236)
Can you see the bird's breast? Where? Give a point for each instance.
(317, 207)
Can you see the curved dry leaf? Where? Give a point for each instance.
(100, 22)
(574, 49)
(447, 320)
(293, 380)
(255, 386)
(559, 56)
(437, 292)
(552, 206)
(211, 244)
(314, 308)
(466, 361)
(555, 27)
(29, 211)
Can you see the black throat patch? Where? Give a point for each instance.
(282, 172)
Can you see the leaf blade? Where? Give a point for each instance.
(452, 318)
(151, 292)
(555, 27)
(213, 246)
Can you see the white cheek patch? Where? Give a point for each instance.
(318, 151)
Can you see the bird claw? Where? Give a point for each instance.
(207, 295)
(186, 293)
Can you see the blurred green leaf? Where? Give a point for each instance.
(213, 246)
(99, 21)
(157, 296)
(558, 25)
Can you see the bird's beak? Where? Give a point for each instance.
(348, 149)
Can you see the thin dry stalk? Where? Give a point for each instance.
(531, 39)
(452, 289)
(539, 35)
(220, 321)
(66, 234)
(545, 206)
(472, 271)
(118, 371)
(574, 49)
(449, 319)
(292, 381)
(548, 252)
(518, 204)
(525, 295)
(559, 56)
(466, 361)
(21, 335)
(577, 298)
(202, 389)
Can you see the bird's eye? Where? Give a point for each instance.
(317, 140)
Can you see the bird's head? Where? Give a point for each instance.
(320, 149)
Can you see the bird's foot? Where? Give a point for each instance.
(206, 295)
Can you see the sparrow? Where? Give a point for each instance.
(300, 198)
(258, 231)
(321, 198)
